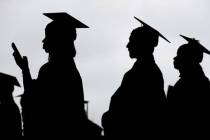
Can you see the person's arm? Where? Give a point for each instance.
(22, 62)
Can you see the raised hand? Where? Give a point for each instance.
(22, 62)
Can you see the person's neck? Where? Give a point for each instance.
(191, 71)
(60, 59)
(146, 58)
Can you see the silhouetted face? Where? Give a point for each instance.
(58, 37)
(51, 39)
(141, 42)
(187, 56)
(133, 46)
(179, 60)
(47, 42)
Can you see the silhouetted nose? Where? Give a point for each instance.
(175, 60)
(43, 41)
(128, 45)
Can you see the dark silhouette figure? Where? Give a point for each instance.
(10, 118)
(53, 104)
(136, 108)
(188, 100)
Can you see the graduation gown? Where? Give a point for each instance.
(54, 103)
(10, 121)
(188, 105)
(136, 108)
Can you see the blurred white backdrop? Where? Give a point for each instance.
(102, 57)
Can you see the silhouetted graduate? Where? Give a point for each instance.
(53, 104)
(10, 118)
(136, 108)
(189, 98)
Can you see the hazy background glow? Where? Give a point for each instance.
(102, 57)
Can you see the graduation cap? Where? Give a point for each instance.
(5, 78)
(152, 29)
(196, 43)
(65, 18)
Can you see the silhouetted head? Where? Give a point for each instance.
(7, 83)
(189, 55)
(60, 34)
(143, 40)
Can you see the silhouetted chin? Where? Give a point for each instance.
(45, 49)
(175, 65)
(132, 55)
